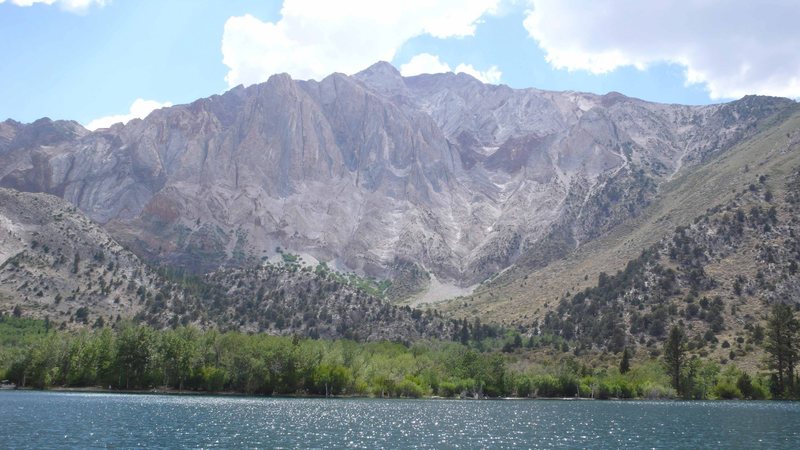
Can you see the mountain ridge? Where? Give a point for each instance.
(441, 172)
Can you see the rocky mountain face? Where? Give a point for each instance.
(384, 175)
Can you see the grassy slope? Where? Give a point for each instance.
(518, 297)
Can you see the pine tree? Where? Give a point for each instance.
(464, 335)
(625, 363)
(781, 345)
(675, 355)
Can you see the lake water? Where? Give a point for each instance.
(51, 419)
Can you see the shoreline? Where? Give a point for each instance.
(176, 392)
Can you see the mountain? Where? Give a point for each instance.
(713, 250)
(600, 219)
(55, 263)
(433, 178)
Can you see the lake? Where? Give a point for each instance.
(55, 419)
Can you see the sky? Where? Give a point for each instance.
(105, 61)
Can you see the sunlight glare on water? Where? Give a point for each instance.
(48, 419)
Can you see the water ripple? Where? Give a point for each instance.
(46, 420)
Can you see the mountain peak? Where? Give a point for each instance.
(381, 68)
(279, 78)
(384, 78)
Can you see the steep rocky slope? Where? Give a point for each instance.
(392, 177)
(57, 264)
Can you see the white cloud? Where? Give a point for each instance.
(139, 110)
(424, 63)
(316, 37)
(427, 63)
(491, 75)
(76, 6)
(733, 47)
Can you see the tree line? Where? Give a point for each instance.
(135, 357)
(782, 346)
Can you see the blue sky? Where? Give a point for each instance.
(95, 63)
(91, 59)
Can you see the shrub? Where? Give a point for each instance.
(523, 387)
(653, 391)
(213, 378)
(727, 390)
(546, 386)
(448, 389)
(409, 388)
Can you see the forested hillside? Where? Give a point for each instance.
(287, 299)
(717, 277)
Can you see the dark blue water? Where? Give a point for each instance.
(48, 419)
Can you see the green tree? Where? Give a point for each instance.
(698, 378)
(80, 365)
(177, 351)
(675, 356)
(625, 362)
(104, 344)
(331, 379)
(134, 353)
(464, 334)
(745, 384)
(781, 347)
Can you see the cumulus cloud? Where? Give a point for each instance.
(427, 63)
(424, 63)
(491, 75)
(76, 6)
(138, 110)
(732, 47)
(316, 37)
